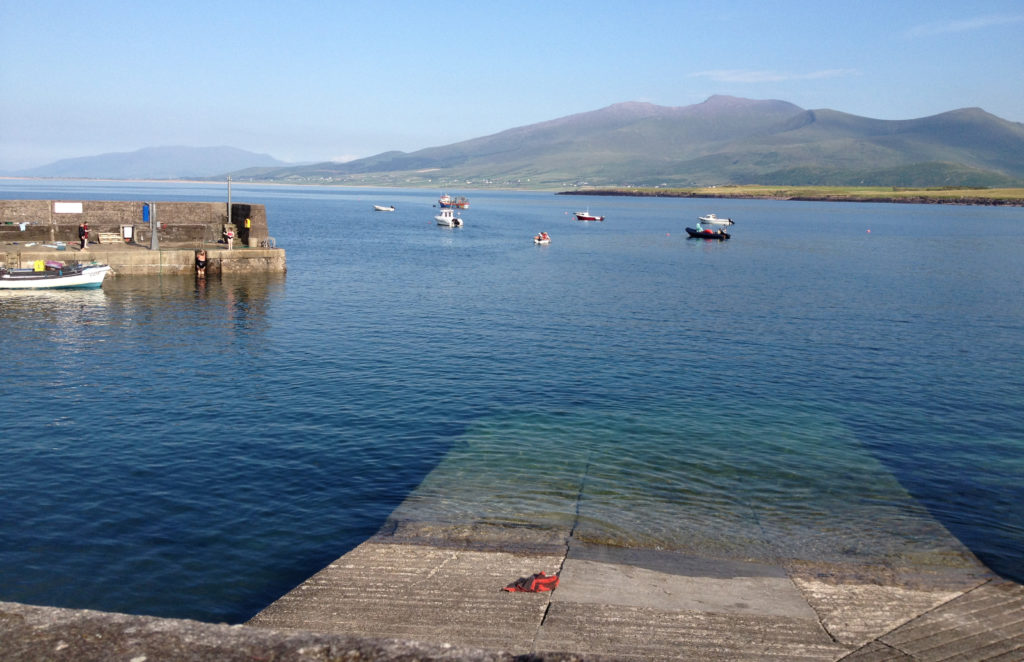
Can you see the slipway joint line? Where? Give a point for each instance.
(565, 555)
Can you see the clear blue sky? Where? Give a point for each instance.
(316, 81)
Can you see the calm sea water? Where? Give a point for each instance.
(807, 390)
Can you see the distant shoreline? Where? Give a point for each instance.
(992, 197)
(1013, 197)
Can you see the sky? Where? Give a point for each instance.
(310, 81)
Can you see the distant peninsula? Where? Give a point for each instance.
(939, 195)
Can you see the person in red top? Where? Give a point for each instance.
(83, 235)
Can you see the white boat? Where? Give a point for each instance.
(711, 219)
(383, 208)
(53, 277)
(448, 218)
(586, 216)
(542, 238)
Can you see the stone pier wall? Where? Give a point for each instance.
(41, 221)
(138, 261)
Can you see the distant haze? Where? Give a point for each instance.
(156, 163)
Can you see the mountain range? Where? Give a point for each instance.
(724, 140)
(156, 163)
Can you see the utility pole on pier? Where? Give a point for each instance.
(154, 242)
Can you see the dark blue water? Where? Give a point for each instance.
(807, 390)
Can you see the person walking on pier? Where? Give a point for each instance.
(83, 235)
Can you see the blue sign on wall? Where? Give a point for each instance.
(145, 213)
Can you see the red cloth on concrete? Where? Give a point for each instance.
(534, 583)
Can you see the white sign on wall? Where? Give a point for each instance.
(67, 208)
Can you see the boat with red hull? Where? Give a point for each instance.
(448, 202)
(707, 233)
(587, 216)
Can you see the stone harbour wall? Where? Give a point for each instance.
(24, 221)
(138, 261)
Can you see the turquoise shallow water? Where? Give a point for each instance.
(807, 390)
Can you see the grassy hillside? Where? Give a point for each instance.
(724, 140)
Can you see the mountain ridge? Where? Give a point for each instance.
(168, 162)
(721, 141)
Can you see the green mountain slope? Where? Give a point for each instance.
(725, 140)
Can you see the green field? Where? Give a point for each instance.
(963, 196)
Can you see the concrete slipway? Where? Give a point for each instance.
(396, 598)
(647, 605)
(648, 574)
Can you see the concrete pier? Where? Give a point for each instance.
(180, 223)
(133, 259)
(121, 235)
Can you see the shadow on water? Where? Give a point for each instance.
(968, 478)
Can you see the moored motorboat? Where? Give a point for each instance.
(54, 275)
(542, 238)
(383, 208)
(712, 219)
(586, 216)
(706, 233)
(448, 218)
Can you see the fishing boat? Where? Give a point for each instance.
(711, 219)
(586, 216)
(383, 208)
(54, 275)
(542, 238)
(706, 233)
(448, 218)
(446, 201)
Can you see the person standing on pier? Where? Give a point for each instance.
(83, 235)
